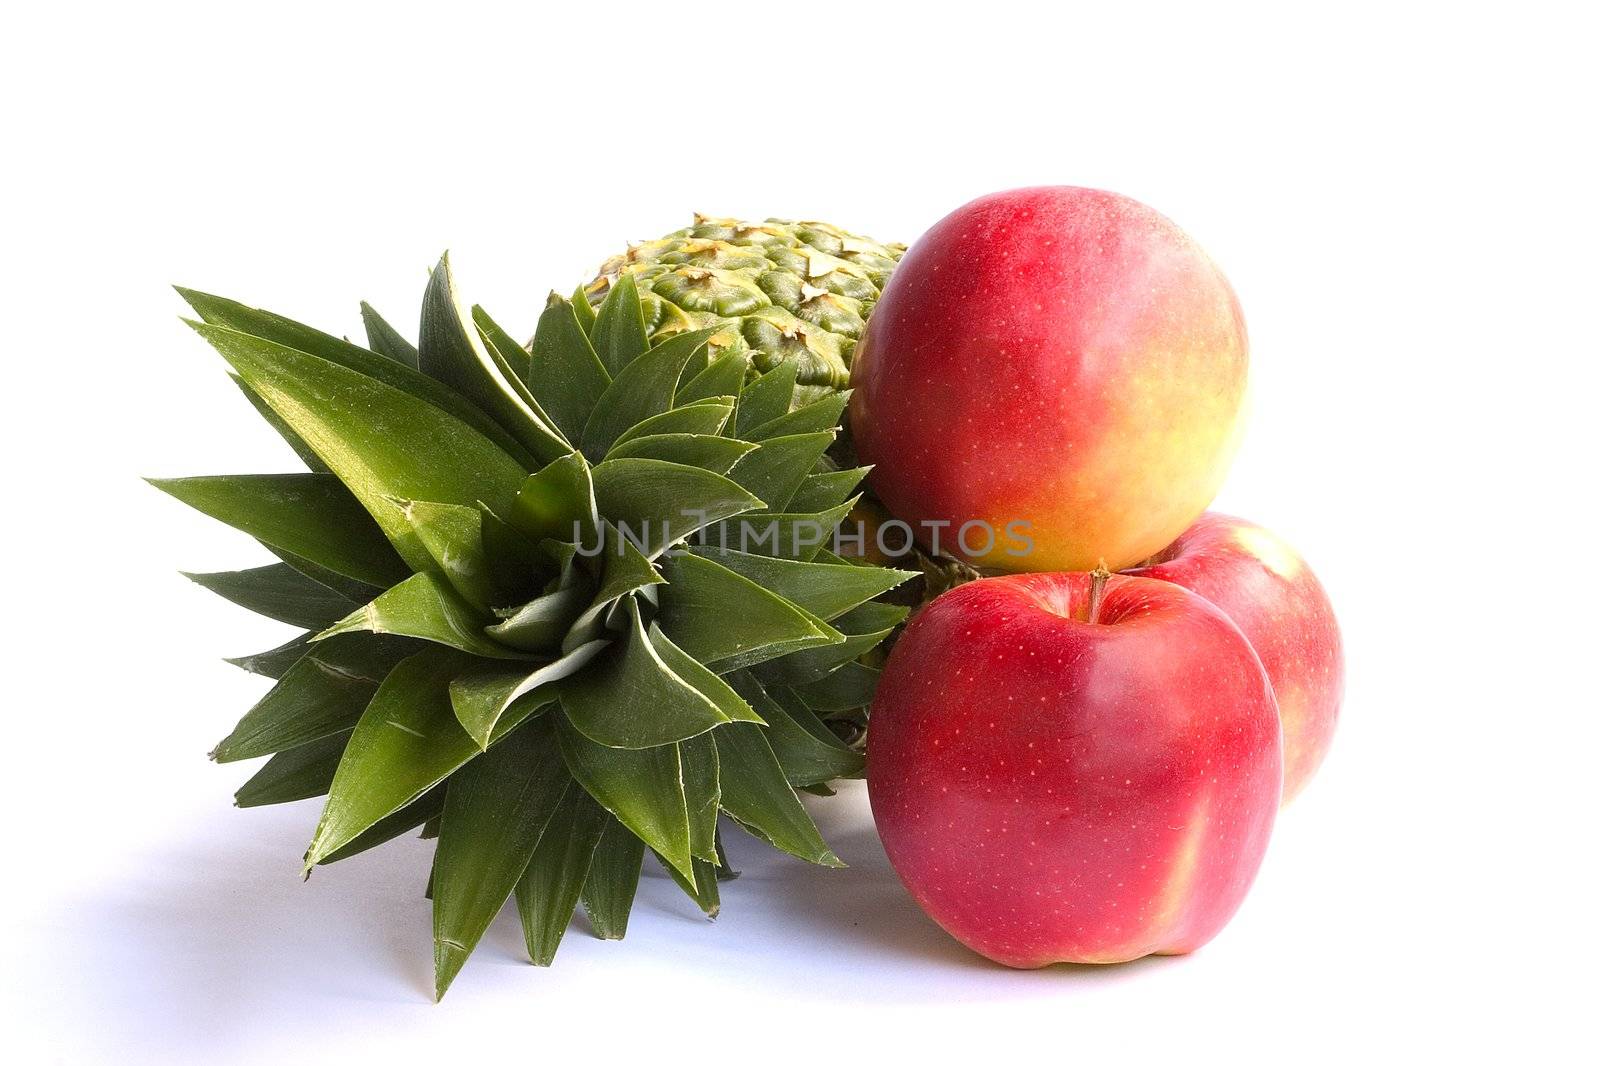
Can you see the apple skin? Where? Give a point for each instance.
(1059, 356)
(1269, 592)
(1052, 790)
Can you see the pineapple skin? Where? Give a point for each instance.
(775, 290)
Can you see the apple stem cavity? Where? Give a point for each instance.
(1097, 592)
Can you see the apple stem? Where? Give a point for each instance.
(1097, 591)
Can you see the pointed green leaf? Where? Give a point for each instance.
(489, 699)
(724, 619)
(518, 565)
(548, 892)
(275, 662)
(777, 468)
(296, 774)
(826, 489)
(642, 787)
(236, 317)
(452, 534)
(425, 607)
(279, 592)
(723, 376)
(716, 454)
(784, 536)
(722, 696)
(407, 741)
(703, 889)
(564, 372)
(849, 687)
(624, 569)
(657, 504)
(507, 352)
(419, 812)
(541, 623)
(613, 879)
(380, 441)
(495, 810)
(767, 398)
(582, 310)
(324, 692)
(290, 437)
(348, 587)
(619, 335)
(865, 627)
(818, 417)
(630, 698)
(642, 389)
(452, 352)
(385, 339)
(756, 794)
(806, 749)
(558, 502)
(702, 794)
(827, 590)
(311, 515)
(702, 418)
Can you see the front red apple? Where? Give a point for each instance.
(1269, 592)
(1061, 357)
(1056, 789)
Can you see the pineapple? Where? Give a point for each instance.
(563, 605)
(778, 290)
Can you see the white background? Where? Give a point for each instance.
(1405, 200)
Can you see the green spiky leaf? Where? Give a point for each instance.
(642, 389)
(723, 376)
(826, 488)
(776, 469)
(549, 889)
(380, 441)
(311, 515)
(756, 794)
(281, 593)
(701, 418)
(452, 352)
(425, 607)
(819, 417)
(827, 590)
(564, 372)
(602, 701)
(279, 331)
(324, 692)
(767, 398)
(612, 881)
(642, 788)
(299, 773)
(406, 742)
(716, 454)
(494, 813)
(726, 621)
(619, 335)
(385, 339)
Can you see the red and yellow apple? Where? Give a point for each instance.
(1060, 780)
(1061, 357)
(1269, 592)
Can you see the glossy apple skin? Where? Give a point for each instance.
(1055, 791)
(1269, 592)
(1061, 356)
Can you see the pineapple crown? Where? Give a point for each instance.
(564, 604)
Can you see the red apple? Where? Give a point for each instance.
(1061, 357)
(1056, 782)
(1269, 592)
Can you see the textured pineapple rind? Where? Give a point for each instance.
(776, 290)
